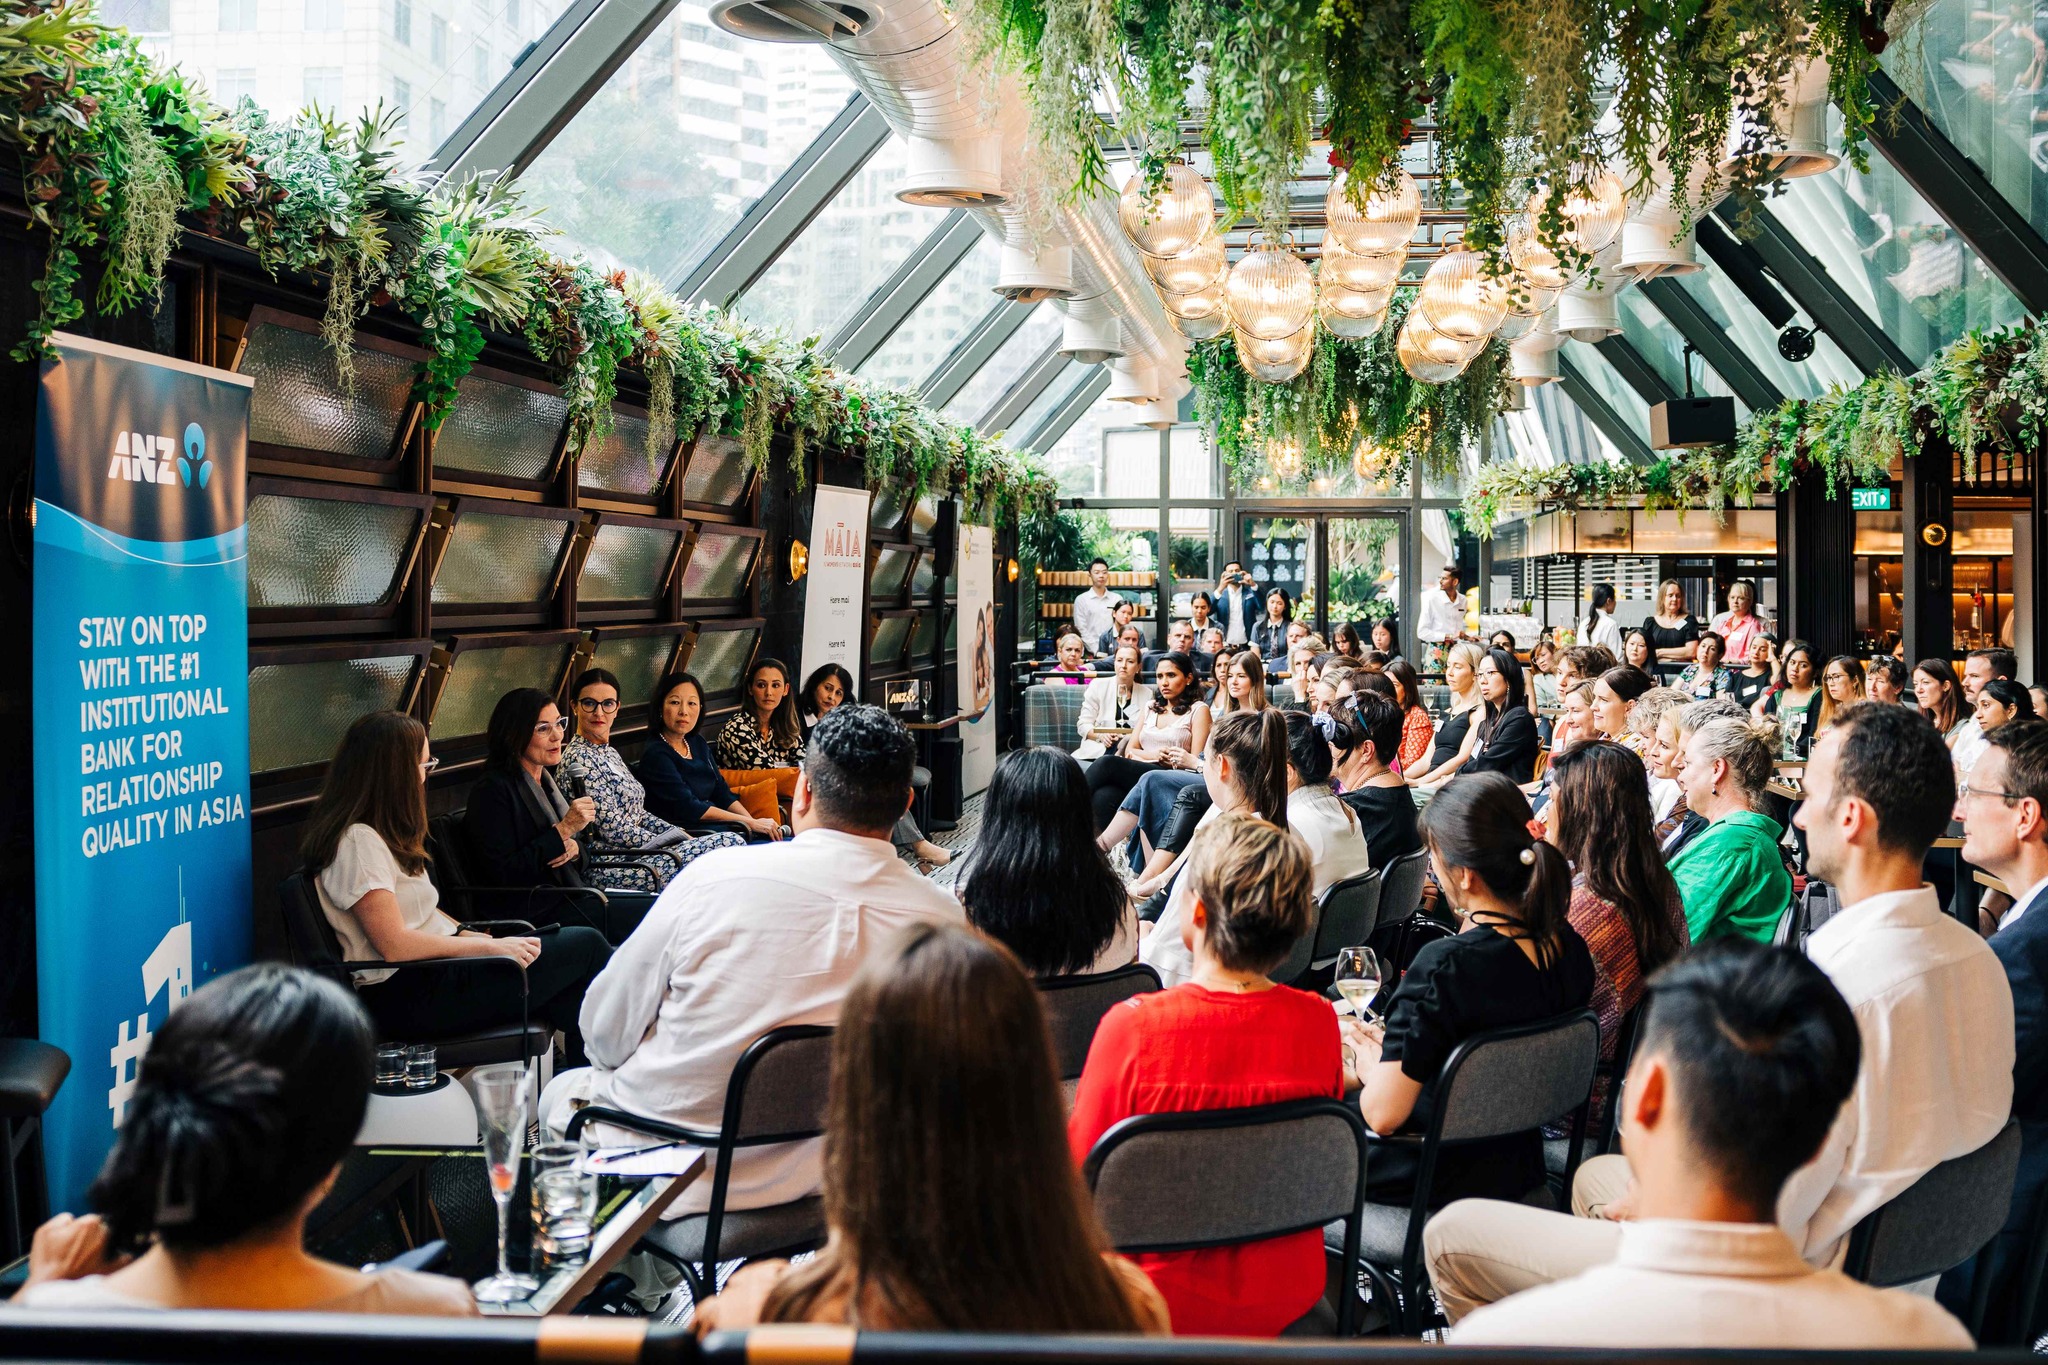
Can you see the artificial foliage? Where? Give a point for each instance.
(120, 157)
(1354, 408)
(1985, 392)
(1513, 89)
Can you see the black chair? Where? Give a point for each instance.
(615, 914)
(1074, 1005)
(1221, 1177)
(776, 1094)
(1607, 1120)
(1939, 1221)
(312, 943)
(1347, 913)
(30, 1074)
(1400, 898)
(1504, 1081)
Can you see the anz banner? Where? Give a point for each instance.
(141, 679)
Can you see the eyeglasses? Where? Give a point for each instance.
(551, 727)
(1964, 791)
(605, 707)
(428, 765)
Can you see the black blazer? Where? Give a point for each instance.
(1511, 749)
(1205, 664)
(510, 839)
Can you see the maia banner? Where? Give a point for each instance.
(142, 636)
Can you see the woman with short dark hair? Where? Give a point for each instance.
(251, 1094)
(683, 782)
(1269, 635)
(520, 826)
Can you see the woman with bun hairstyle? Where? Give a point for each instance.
(250, 1095)
(1517, 960)
(1731, 875)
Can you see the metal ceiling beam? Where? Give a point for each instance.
(1631, 365)
(1737, 370)
(1014, 402)
(2002, 237)
(1056, 422)
(1802, 275)
(1599, 413)
(548, 85)
(883, 312)
(973, 351)
(787, 207)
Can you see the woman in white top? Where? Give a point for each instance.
(1171, 732)
(1252, 769)
(252, 1093)
(1599, 628)
(365, 851)
(1112, 704)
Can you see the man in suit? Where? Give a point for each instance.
(1238, 606)
(1180, 639)
(2004, 810)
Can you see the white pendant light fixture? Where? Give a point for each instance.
(1533, 359)
(1172, 221)
(1271, 292)
(1796, 145)
(1345, 268)
(1157, 415)
(1459, 298)
(955, 173)
(1090, 333)
(1386, 223)
(1200, 266)
(1132, 379)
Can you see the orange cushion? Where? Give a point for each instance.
(756, 792)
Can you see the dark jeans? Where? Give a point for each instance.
(1110, 779)
(431, 1002)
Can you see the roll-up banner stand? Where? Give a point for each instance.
(977, 578)
(141, 674)
(836, 585)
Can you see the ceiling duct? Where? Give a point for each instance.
(1533, 359)
(1035, 267)
(1090, 333)
(794, 21)
(955, 172)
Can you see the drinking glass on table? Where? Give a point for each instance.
(501, 1102)
(1358, 980)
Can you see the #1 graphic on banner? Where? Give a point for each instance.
(977, 579)
(836, 583)
(141, 633)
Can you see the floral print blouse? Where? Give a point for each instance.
(740, 747)
(1701, 684)
(624, 822)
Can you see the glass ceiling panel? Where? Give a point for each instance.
(1569, 436)
(668, 156)
(1663, 346)
(1007, 365)
(1607, 382)
(1070, 377)
(1975, 68)
(923, 339)
(1891, 252)
(1076, 458)
(849, 250)
(1717, 295)
(431, 60)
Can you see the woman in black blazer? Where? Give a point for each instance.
(1505, 741)
(520, 828)
(1269, 634)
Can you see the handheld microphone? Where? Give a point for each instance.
(573, 783)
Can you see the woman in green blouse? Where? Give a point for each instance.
(1731, 875)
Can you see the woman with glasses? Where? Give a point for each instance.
(1841, 684)
(365, 850)
(522, 829)
(592, 767)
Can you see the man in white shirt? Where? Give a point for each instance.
(1747, 1054)
(1442, 610)
(1980, 667)
(1930, 1000)
(1095, 609)
(745, 940)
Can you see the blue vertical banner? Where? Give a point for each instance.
(141, 680)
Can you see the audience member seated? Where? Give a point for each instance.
(593, 768)
(1461, 675)
(1139, 827)
(1705, 678)
(1112, 705)
(2000, 702)
(1732, 875)
(1335, 837)
(1270, 636)
(1758, 675)
(1384, 635)
(1240, 684)
(1665, 756)
(1624, 903)
(1746, 1054)
(2004, 810)
(1171, 731)
(250, 1095)
(1841, 686)
(1643, 718)
(1070, 664)
(1301, 676)
(1130, 637)
(1180, 639)
(1210, 640)
(1037, 881)
(943, 1133)
(1517, 960)
(1418, 730)
(519, 825)
(1120, 619)
(683, 784)
(1884, 680)
(1797, 691)
(1980, 666)
(1348, 641)
(1504, 739)
(1931, 1006)
(1368, 732)
(365, 850)
(750, 939)
(830, 687)
(1614, 692)
(1584, 663)
(1635, 652)
(765, 739)
(1225, 1037)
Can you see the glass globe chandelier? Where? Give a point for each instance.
(1460, 299)
(1173, 221)
(1274, 362)
(1200, 266)
(1538, 266)
(1271, 293)
(1593, 205)
(1351, 313)
(1195, 307)
(1386, 223)
(1345, 268)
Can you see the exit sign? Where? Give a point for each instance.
(1870, 499)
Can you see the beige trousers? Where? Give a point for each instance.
(1482, 1250)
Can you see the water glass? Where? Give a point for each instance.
(420, 1071)
(565, 1214)
(391, 1059)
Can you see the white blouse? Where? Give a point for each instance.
(362, 864)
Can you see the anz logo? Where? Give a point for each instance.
(140, 457)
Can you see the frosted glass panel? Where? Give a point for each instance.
(499, 559)
(721, 656)
(320, 552)
(481, 676)
(299, 712)
(298, 402)
(501, 429)
(626, 563)
(718, 566)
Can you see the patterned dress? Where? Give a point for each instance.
(624, 822)
(1618, 975)
(740, 747)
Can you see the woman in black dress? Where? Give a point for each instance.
(1672, 631)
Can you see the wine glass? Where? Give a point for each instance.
(1358, 980)
(501, 1095)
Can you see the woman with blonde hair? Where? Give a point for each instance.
(1461, 675)
(1732, 876)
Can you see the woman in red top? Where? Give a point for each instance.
(1418, 731)
(1226, 1039)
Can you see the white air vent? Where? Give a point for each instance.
(794, 21)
